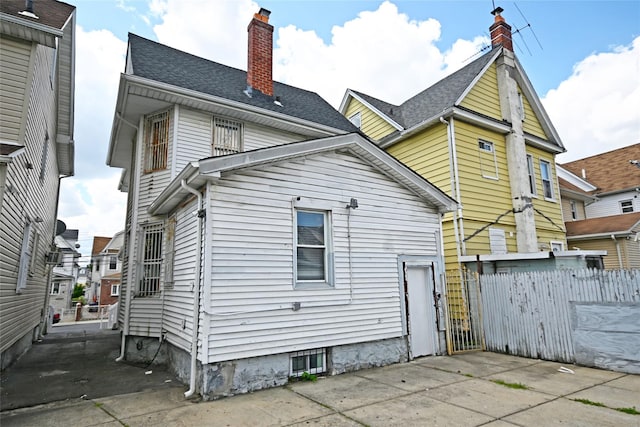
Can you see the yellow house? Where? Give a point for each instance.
(483, 137)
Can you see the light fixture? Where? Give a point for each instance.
(353, 204)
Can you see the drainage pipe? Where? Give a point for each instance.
(196, 295)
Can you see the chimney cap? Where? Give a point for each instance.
(497, 11)
(264, 12)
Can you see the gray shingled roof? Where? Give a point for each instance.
(49, 12)
(164, 64)
(434, 99)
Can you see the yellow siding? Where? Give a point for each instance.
(531, 124)
(628, 253)
(483, 199)
(427, 153)
(450, 252)
(373, 125)
(548, 214)
(566, 209)
(483, 97)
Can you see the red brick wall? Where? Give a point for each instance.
(105, 292)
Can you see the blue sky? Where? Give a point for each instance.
(587, 71)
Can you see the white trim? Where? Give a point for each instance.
(478, 77)
(386, 118)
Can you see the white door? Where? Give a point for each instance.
(423, 338)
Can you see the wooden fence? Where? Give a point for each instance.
(535, 314)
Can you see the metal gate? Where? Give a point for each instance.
(463, 312)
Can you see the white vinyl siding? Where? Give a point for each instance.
(29, 198)
(16, 57)
(251, 299)
(608, 205)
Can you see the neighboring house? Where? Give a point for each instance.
(265, 237)
(37, 71)
(105, 262)
(109, 289)
(482, 136)
(65, 273)
(604, 189)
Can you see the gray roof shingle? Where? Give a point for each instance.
(435, 99)
(49, 12)
(164, 64)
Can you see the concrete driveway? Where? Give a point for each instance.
(472, 389)
(75, 361)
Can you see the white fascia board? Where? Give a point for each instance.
(579, 253)
(542, 144)
(620, 233)
(31, 25)
(369, 106)
(574, 179)
(578, 196)
(194, 95)
(188, 174)
(537, 106)
(352, 142)
(478, 77)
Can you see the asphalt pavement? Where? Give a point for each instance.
(471, 389)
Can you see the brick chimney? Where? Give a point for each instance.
(260, 62)
(500, 31)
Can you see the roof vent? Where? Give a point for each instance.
(248, 91)
(28, 11)
(277, 101)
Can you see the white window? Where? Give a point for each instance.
(115, 290)
(574, 209)
(545, 173)
(25, 258)
(557, 246)
(532, 175)
(151, 259)
(626, 206)
(487, 159)
(227, 137)
(311, 362)
(113, 262)
(55, 288)
(356, 119)
(312, 252)
(156, 142)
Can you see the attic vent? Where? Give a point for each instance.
(29, 10)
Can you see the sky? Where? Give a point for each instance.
(582, 57)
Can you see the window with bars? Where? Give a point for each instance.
(310, 361)
(227, 137)
(151, 259)
(156, 145)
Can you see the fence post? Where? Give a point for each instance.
(78, 311)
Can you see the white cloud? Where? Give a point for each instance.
(90, 201)
(597, 109)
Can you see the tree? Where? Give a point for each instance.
(78, 291)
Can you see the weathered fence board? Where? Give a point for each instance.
(530, 314)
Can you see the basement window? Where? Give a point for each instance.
(310, 361)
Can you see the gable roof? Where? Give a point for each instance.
(611, 171)
(603, 226)
(99, 243)
(161, 63)
(443, 99)
(433, 100)
(198, 173)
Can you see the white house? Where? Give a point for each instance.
(265, 237)
(65, 274)
(37, 53)
(105, 262)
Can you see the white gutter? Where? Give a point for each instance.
(196, 296)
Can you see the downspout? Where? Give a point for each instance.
(453, 169)
(617, 243)
(133, 231)
(196, 296)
